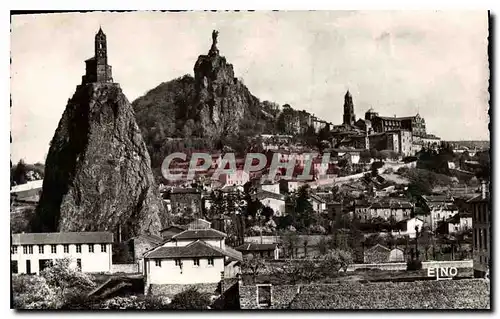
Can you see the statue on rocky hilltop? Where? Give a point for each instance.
(213, 49)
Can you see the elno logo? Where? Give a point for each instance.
(442, 273)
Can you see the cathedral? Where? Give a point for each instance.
(97, 68)
(349, 117)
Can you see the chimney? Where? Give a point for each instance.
(483, 189)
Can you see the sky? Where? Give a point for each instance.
(434, 63)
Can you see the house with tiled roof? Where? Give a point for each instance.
(88, 251)
(197, 255)
(273, 200)
(318, 203)
(397, 209)
(438, 209)
(267, 251)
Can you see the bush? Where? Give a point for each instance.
(123, 303)
(33, 292)
(190, 299)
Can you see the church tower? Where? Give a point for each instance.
(97, 68)
(349, 117)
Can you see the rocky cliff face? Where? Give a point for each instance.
(97, 174)
(221, 100)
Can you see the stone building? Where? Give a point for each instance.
(349, 116)
(97, 68)
(481, 234)
(414, 124)
(195, 256)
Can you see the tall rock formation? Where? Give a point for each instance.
(221, 101)
(97, 173)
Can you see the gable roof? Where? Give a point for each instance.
(316, 198)
(209, 233)
(153, 239)
(378, 247)
(62, 238)
(263, 194)
(198, 224)
(179, 227)
(196, 249)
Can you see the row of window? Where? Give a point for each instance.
(28, 249)
(178, 262)
(42, 264)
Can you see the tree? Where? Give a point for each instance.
(66, 279)
(291, 241)
(365, 156)
(19, 173)
(190, 299)
(384, 154)
(374, 153)
(33, 292)
(254, 265)
(289, 272)
(57, 286)
(335, 259)
(309, 271)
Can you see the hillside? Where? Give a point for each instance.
(211, 110)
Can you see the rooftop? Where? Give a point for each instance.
(196, 249)
(262, 194)
(62, 238)
(199, 234)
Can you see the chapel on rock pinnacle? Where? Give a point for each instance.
(97, 68)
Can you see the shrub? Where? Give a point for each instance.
(123, 303)
(190, 299)
(33, 292)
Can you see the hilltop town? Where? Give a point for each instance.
(385, 200)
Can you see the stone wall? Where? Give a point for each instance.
(125, 268)
(443, 264)
(281, 298)
(171, 290)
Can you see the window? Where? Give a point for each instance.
(40, 249)
(158, 263)
(53, 249)
(30, 249)
(196, 262)
(13, 266)
(91, 248)
(14, 250)
(66, 249)
(103, 248)
(210, 261)
(79, 263)
(43, 263)
(177, 262)
(79, 248)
